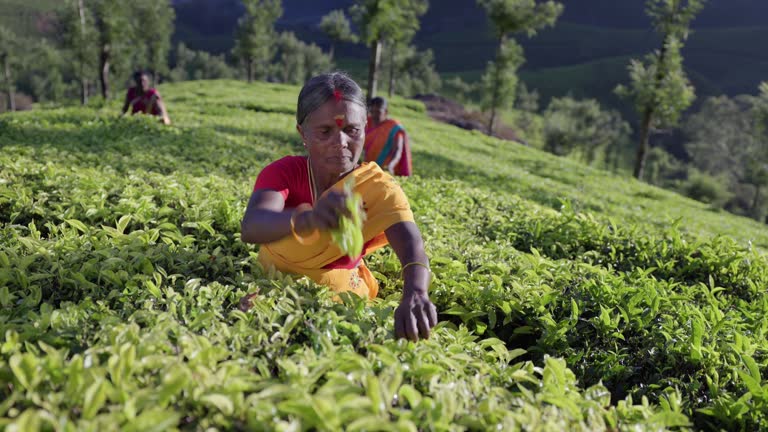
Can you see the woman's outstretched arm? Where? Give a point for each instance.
(416, 315)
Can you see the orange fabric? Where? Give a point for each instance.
(379, 146)
(385, 205)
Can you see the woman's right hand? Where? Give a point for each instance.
(326, 213)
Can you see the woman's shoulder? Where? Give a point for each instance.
(286, 167)
(288, 162)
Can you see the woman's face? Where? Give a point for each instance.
(334, 135)
(143, 82)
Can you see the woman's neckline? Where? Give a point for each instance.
(314, 189)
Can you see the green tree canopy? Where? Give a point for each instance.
(199, 65)
(500, 80)
(255, 36)
(659, 86)
(79, 40)
(336, 26)
(520, 16)
(508, 17)
(153, 23)
(583, 127)
(725, 138)
(8, 57)
(385, 20)
(296, 61)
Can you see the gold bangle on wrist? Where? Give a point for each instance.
(402, 271)
(308, 239)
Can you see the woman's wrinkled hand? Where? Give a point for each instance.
(327, 212)
(415, 317)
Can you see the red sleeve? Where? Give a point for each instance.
(275, 176)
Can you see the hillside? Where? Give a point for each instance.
(585, 54)
(570, 298)
(721, 55)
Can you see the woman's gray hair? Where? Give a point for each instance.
(321, 88)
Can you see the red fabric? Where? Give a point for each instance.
(289, 177)
(141, 102)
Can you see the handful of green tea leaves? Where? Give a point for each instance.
(349, 235)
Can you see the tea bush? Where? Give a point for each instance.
(569, 299)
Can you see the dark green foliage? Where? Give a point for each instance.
(582, 126)
(336, 26)
(295, 61)
(255, 36)
(199, 65)
(705, 188)
(386, 21)
(509, 17)
(659, 88)
(413, 71)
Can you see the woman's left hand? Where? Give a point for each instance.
(415, 316)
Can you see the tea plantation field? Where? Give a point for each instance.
(570, 299)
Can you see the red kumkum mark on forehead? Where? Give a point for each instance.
(339, 120)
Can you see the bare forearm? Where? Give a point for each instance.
(406, 240)
(265, 226)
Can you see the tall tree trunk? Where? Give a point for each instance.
(8, 82)
(373, 68)
(496, 85)
(249, 69)
(645, 125)
(83, 80)
(755, 201)
(83, 88)
(332, 50)
(104, 71)
(392, 52)
(642, 147)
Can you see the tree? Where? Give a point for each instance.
(289, 60)
(459, 89)
(385, 20)
(726, 138)
(500, 79)
(582, 126)
(45, 75)
(315, 61)
(198, 65)
(79, 38)
(154, 27)
(757, 172)
(415, 71)
(659, 86)
(336, 26)
(111, 21)
(255, 36)
(296, 61)
(8, 53)
(507, 18)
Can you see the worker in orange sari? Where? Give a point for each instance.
(386, 142)
(297, 200)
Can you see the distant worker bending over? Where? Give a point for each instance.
(144, 99)
(386, 142)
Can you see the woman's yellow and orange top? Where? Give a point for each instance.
(384, 202)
